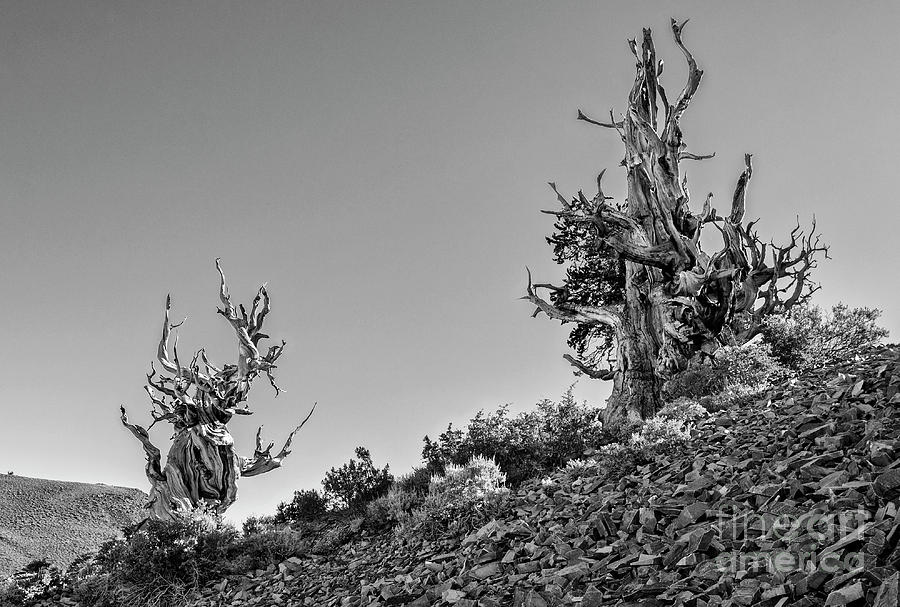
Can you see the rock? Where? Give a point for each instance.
(486, 571)
(845, 595)
(528, 567)
(592, 597)
(533, 599)
(452, 596)
(645, 559)
(574, 571)
(691, 514)
(422, 601)
(887, 484)
(887, 593)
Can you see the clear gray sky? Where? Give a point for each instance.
(381, 165)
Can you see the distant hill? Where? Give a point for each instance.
(58, 520)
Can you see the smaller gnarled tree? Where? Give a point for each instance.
(198, 400)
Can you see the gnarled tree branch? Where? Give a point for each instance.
(263, 460)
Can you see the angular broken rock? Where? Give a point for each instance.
(887, 593)
(845, 595)
(691, 514)
(592, 597)
(887, 484)
(485, 571)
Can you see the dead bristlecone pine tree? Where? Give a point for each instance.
(643, 295)
(199, 400)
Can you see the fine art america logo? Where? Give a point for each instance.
(809, 542)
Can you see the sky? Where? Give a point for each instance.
(381, 165)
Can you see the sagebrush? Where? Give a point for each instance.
(525, 445)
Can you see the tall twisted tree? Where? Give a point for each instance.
(198, 400)
(643, 295)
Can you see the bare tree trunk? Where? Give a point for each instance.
(678, 300)
(202, 466)
(636, 387)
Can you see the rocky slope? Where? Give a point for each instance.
(790, 501)
(57, 520)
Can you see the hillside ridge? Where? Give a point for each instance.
(60, 520)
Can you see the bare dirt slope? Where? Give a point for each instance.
(58, 520)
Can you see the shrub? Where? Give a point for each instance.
(267, 547)
(732, 373)
(790, 335)
(665, 434)
(391, 509)
(660, 436)
(163, 563)
(461, 492)
(580, 466)
(307, 505)
(701, 378)
(36, 566)
(750, 368)
(157, 563)
(683, 410)
(450, 446)
(258, 524)
(416, 481)
(356, 483)
(524, 446)
(37, 580)
(470, 483)
(567, 429)
(619, 459)
(805, 337)
(432, 518)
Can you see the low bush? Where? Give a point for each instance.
(580, 466)
(660, 436)
(751, 367)
(665, 434)
(733, 374)
(356, 483)
(524, 446)
(37, 580)
(617, 460)
(453, 497)
(267, 547)
(157, 563)
(351, 487)
(683, 410)
(162, 564)
(469, 483)
(701, 378)
(806, 337)
(416, 481)
(393, 508)
(307, 505)
(258, 524)
(429, 520)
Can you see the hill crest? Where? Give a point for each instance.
(60, 520)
